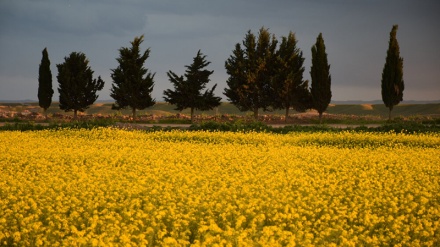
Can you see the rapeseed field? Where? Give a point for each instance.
(112, 187)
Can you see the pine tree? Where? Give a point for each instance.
(250, 71)
(237, 91)
(45, 90)
(290, 90)
(132, 83)
(392, 75)
(76, 85)
(321, 78)
(187, 90)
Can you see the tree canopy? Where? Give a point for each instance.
(250, 71)
(76, 86)
(392, 75)
(262, 74)
(132, 82)
(321, 78)
(289, 88)
(187, 91)
(45, 90)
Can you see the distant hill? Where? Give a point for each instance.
(19, 101)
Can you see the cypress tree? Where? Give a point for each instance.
(187, 90)
(237, 91)
(250, 72)
(76, 85)
(321, 78)
(290, 90)
(132, 83)
(45, 90)
(392, 75)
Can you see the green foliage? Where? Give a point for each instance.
(45, 90)
(22, 126)
(32, 126)
(431, 121)
(237, 126)
(392, 75)
(321, 78)
(187, 91)
(77, 88)
(250, 71)
(290, 90)
(237, 82)
(409, 127)
(132, 83)
(256, 126)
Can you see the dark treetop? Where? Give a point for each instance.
(187, 91)
(321, 78)
(45, 90)
(76, 85)
(250, 71)
(289, 87)
(132, 82)
(392, 75)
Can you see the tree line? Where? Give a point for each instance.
(264, 73)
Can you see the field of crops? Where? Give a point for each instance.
(106, 187)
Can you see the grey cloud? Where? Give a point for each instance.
(355, 32)
(73, 17)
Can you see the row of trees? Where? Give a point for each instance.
(77, 88)
(262, 75)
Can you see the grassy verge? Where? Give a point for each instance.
(234, 126)
(30, 126)
(158, 121)
(238, 126)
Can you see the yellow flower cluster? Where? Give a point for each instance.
(111, 187)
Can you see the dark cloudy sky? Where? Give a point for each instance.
(356, 34)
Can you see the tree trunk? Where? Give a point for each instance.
(45, 113)
(192, 114)
(287, 114)
(133, 110)
(75, 114)
(256, 113)
(320, 117)
(389, 114)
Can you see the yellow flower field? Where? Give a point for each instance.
(111, 187)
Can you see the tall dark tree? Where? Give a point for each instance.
(132, 83)
(45, 90)
(238, 88)
(321, 78)
(76, 85)
(392, 75)
(289, 87)
(187, 91)
(250, 71)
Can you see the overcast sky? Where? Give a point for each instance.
(355, 32)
